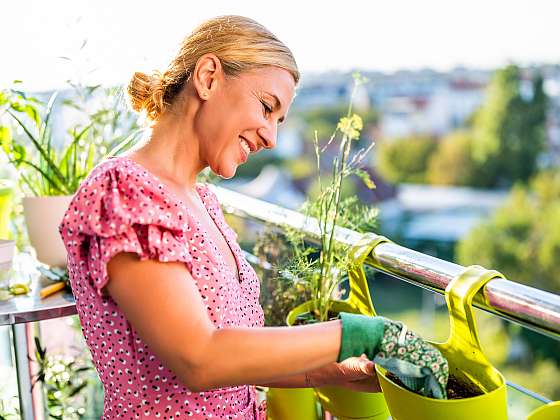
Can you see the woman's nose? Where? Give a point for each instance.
(268, 136)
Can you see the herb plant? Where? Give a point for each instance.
(324, 269)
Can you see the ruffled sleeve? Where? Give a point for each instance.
(121, 208)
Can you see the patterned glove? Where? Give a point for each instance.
(418, 364)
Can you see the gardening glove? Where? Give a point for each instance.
(418, 364)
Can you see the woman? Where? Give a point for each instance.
(168, 304)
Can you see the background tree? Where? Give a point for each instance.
(509, 128)
(452, 162)
(405, 159)
(522, 240)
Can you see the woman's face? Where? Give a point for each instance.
(241, 117)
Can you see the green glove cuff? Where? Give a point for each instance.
(361, 334)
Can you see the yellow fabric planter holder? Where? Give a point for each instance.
(551, 411)
(466, 362)
(343, 403)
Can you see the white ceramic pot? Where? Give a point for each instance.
(42, 217)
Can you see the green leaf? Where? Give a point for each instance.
(50, 106)
(90, 158)
(5, 139)
(366, 179)
(32, 113)
(40, 350)
(68, 158)
(16, 106)
(51, 165)
(91, 89)
(19, 153)
(77, 389)
(62, 189)
(3, 98)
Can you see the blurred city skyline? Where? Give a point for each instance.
(123, 37)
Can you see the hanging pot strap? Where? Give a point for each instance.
(359, 291)
(463, 338)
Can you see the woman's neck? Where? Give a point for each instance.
(172, 151)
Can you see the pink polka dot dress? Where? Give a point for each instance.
(121, 207)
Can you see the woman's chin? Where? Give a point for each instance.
(226, 171)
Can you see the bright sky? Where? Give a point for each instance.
(128, 35)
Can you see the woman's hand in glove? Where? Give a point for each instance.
(354, 373)
(417, 363)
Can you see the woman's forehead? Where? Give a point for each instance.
(274, 81)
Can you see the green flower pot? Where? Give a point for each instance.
(550, 411)
(291, 403)
(344, 403)
(466, 362)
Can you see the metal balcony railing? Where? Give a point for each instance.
(532, 308)
(527, 306)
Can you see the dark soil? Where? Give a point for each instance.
(455, 390)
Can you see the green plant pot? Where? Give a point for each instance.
(467, 363)
(550, 411)
(291, 403)
(407, 405)
(344, 403)
(6, 202)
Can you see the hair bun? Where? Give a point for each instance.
(146, 93)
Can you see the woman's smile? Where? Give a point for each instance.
(246, 149)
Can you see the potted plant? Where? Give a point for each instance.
(323, 269)
(279, 294)
(475, 387)
(51, 169)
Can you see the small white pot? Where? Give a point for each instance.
(42, 217)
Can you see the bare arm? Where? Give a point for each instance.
(164, 305)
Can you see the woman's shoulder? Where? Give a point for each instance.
(115, 167)
(120, 192)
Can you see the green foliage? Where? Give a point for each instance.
(405, 159)
(9, 409)
(452, 162)
(280, 293)
(522, 240)
(541, 376)
(323, 274)
(500, 146)
(65, 380)
(49, 166)
(509, 130)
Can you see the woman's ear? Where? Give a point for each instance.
(207, 75)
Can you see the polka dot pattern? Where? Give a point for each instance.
(121, 207)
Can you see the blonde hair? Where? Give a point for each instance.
(240, 43)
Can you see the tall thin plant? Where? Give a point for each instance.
(325, 272)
